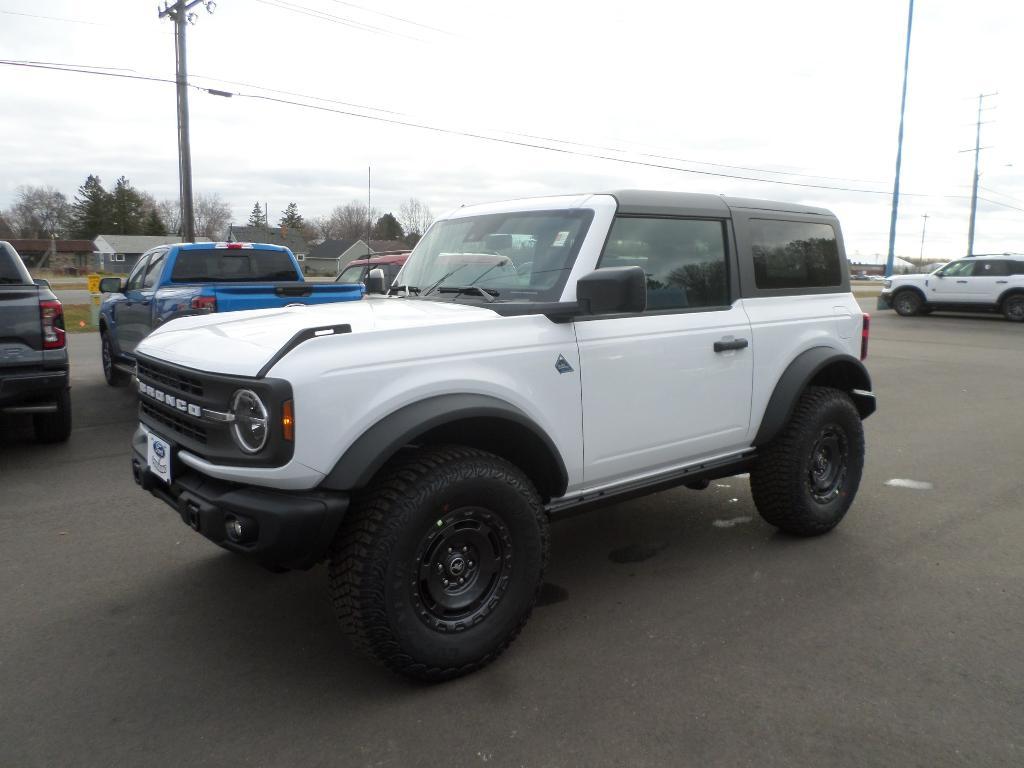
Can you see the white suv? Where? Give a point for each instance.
(973, 284)
(532, 359)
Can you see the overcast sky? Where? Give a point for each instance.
(792, 86)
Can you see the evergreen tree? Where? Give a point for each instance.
(257, 218)
(127, 208)
(388, 228)
(91, 213)
(153, 224)
(291, 218)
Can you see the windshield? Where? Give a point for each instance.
(503, 256)
(353, 274)
(220, 265)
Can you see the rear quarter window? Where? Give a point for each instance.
(794, 254)
(222, 265)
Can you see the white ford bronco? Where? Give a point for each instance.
(973, 284)
(532, 358)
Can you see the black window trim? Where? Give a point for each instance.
(748, 285)
(731, 275)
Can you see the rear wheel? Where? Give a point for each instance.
(439, 563)
(1013, 308)
(114, 376)
(806, 478)
(907, 303)
(54, 427)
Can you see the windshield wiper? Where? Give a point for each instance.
(488, 293)
(443, 278)
(400, 289)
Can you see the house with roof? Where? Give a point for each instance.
(292, 239)
(117, 254)
(65, 257)
(332, 255)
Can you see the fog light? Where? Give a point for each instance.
(239, 530)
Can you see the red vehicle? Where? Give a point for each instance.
(357, 270)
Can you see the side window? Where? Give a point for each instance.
(794, 254)
(135, 278)
(1016, 267)
(156, 265)
(962, 268)
(684, 260)
(991, 268)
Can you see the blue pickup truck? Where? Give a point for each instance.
(173, 281)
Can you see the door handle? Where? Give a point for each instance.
(962, 281)
(1001, 282)
(726, 345)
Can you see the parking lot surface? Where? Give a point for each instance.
(674, 630)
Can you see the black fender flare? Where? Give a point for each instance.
(847, 371)
(379, 443)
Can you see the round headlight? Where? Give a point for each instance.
(250, 427)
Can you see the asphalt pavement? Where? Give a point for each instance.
(675, 630)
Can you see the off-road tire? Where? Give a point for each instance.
(376, 567)
(1013, 308)
(114, 377)
(54, 427)
(907, 303)
(783, 480)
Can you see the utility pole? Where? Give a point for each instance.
(899, 152)
(974, 185)
(179, 13)
(920, 256)
(369, 212)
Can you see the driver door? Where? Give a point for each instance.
(660, 389)
(957, 284)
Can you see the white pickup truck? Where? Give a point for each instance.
(973, 284)
(532, 358)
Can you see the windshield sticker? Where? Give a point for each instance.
(560, 239)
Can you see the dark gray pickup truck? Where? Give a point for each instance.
(33, 350)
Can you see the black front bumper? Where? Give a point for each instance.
(280, 529)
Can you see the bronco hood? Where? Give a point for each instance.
(241, 343)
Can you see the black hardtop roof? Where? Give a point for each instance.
(661, 203)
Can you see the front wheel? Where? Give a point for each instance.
(805, 480)
(907, 303)
(439, 562)
(1013, 308)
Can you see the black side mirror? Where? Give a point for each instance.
(375, 281)
(111, 285)
(612, 290)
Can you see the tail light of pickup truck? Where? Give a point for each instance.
(205, 303)
(51, 315)
(864, 335)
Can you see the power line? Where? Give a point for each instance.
(325, 16)
(389, 16)
(53, 18)
(484, 137)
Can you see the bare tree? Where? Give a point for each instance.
(170, 214)
(212, 215)
(414, 215)
(350, 222)
(39, 212)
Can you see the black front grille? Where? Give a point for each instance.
(168, 377)
(178, 425)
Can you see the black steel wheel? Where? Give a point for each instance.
(827, 464)
(464, 564)
(907, 303)
(114, 377)
(439, 562)
(805, 480)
